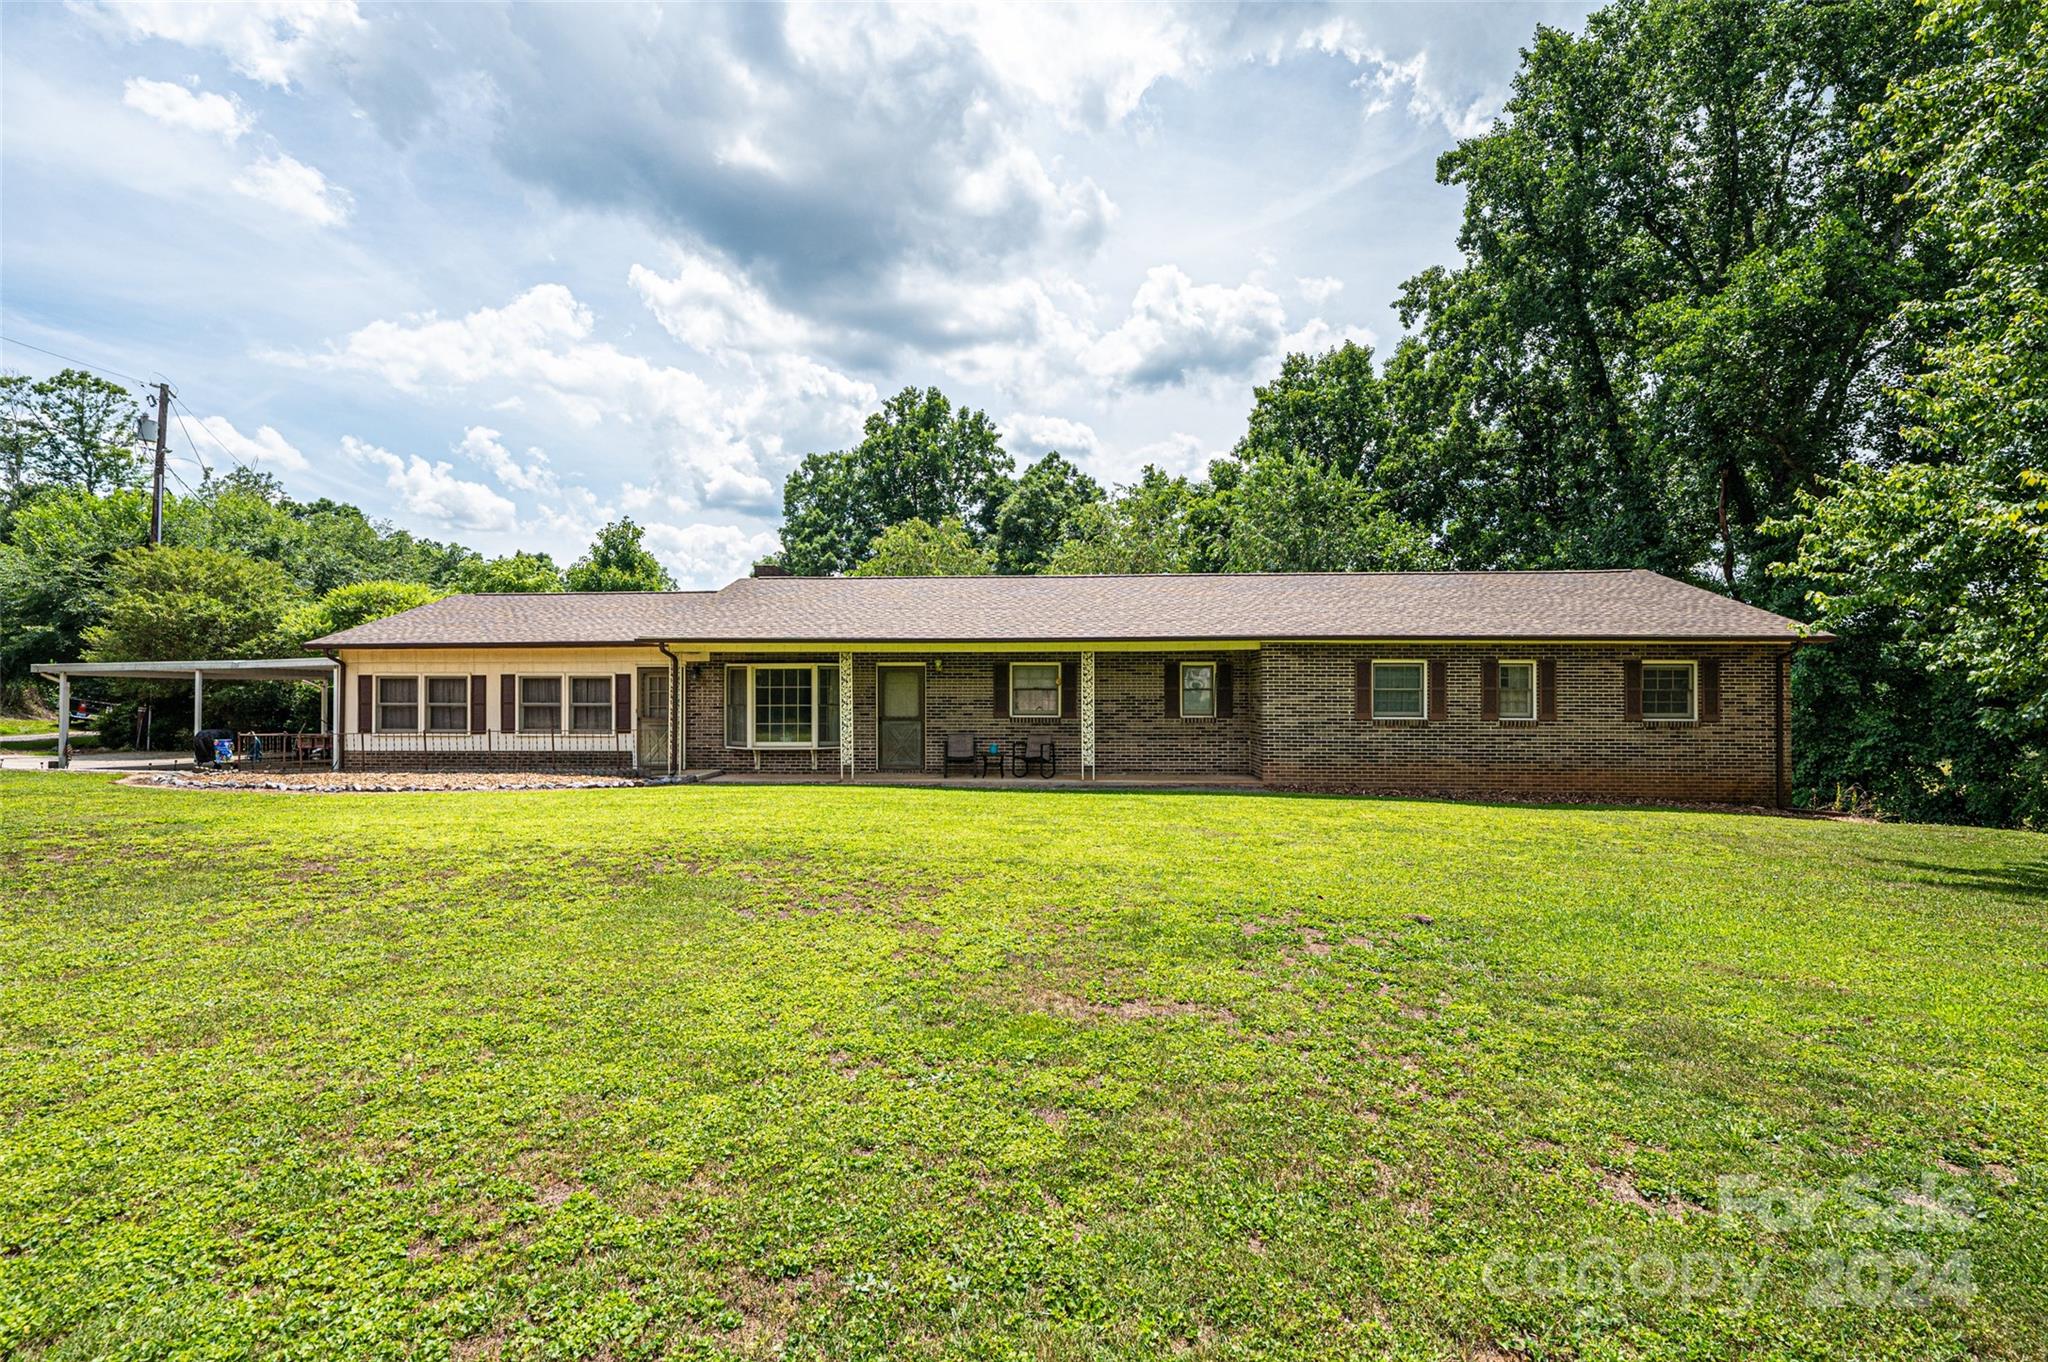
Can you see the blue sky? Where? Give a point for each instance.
(501, 274)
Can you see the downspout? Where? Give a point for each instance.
(675, 670)
(340, 700)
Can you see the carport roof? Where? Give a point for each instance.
(234, 669)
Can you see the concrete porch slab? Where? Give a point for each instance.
(928, 780)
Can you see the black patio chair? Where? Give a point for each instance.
(1039, 752)
(959, 750)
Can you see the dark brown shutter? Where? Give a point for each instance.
(1489, 689)
(1070, 690)
(508, 703)
(1710, 690)
(1546, 690)
(366, 699)
(1223, 690)
(1002, 690)
(1439, 689)
(622, 702)
(1631, 689)
(1361, 695)
(1173, 690)
(479, 703)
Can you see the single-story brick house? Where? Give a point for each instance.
(1604, 684)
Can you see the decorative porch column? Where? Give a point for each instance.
(198, 701)
(847, 728)
(1087, 716)
(63, 720)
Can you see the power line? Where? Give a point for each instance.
(70, 359)
(178, 412)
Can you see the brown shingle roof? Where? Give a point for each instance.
(1618, 604)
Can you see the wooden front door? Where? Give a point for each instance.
(899, 718)
(650, 720)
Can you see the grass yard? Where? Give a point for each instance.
(886, 1073)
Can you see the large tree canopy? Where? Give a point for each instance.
(915, 548)
(73, 429)
(1039, 513)
(918, 458)
(170, 602)
(1672, 316)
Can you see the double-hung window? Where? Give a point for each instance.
(775, 705)
(1668, 690)
(540, 704)
(1399, 690)
(1198, 690)
(590, 704)
(398, 704)
(1034, 690)
(1518, 690)
(447, 704)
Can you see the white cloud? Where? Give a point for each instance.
(711, 443)
(178, 107)
(1321, 290)
(295, 188)
(709, 555)
(1179, 330)
(433, 490)
(1179, 454)
(1030, 436)
(481, 444)
(272, 41)
(715, 310)
(266, 449)
(1385, 79)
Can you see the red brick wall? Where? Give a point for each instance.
(1309, 734)
(1133, 733)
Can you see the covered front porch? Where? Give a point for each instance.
(1154, 714)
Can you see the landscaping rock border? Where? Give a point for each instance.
(377, 782)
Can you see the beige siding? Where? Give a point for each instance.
(488, 662)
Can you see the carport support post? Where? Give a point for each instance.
(63, 720)
(198, 702)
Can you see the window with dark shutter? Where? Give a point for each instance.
(1489, 688)
(479, 704)
(1546, 690)
(1002, 696)
(1631, 689)
(1223, 697)
(508, 703)
(366, 703)
(622, 702)
(1710, 690)
(1172, 690)
(1361, 694)
(1439, 689)
(1070, 690)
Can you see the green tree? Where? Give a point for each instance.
(918, 458)
(1039, 513)
(1329, 409)
(517, 572)
(1296, 514)
(618, 561)
(1149, 526)
(1672, 314)
(1944, 559)
(73, 430)
(357, 603)
(916, 548)
(174, 603)
(53, 571)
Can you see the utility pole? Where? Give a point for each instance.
(156, 498)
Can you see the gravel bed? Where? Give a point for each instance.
(379, 782)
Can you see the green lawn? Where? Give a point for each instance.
(709, 1072)
(11, 724)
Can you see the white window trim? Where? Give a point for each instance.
(419, 705)
(519, 680)
(1692, 690)
(611, 703)
(817, 710)
(1380, 662)
(1182, 677)
(1059, 689)
(1535, 700)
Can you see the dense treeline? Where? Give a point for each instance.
(1751, 294)
(244, 570)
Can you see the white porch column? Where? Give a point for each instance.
(198, 701)
(1087, 716)
(63, 720)
(847, 728)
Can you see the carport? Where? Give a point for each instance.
(314, 670)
